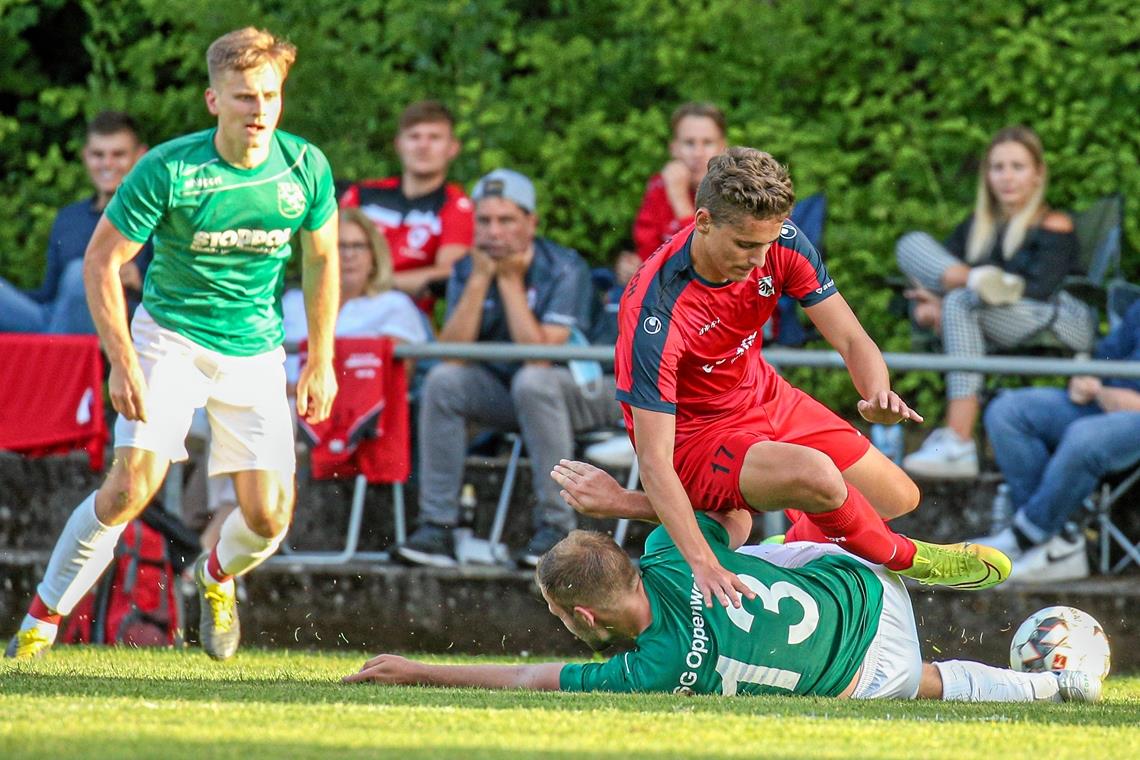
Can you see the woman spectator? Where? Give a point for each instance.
(995, 284)
(369, 306)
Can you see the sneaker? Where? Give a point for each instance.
(219, 629)
(1004, 541)
(543, 541)
(28, 643)
(964, 566)
(996, 287)
(431, 545)
(1078, 686)
(943, 455)
(615, 452)
(1059, 559)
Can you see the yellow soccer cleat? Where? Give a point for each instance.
(28, 643)
(964, 566)
(219, 629)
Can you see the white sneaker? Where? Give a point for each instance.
(995, 287)
(1004, 541)
(1078, 686)
(614, 452)
(943, 455)
(1058, 559)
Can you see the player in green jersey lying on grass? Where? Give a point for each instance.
(823, 621)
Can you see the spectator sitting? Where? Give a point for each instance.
(1054, 446)
(59, 304)
(668, 204)
(996, 283)
(427, 221)
(369, 306)
(513, 286)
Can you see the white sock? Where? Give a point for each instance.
(965, 681)
(239, 549)
(83, 551)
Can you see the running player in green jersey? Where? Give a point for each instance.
(823, 622)
(221, 206)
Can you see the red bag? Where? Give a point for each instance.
(136, 602)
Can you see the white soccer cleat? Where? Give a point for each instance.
(1078, 686)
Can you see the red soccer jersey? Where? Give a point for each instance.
(691, 348)
(655, 223)
(414, 227)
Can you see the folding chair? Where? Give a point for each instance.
(53, 395)
(366, 437)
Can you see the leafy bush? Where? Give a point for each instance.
(883, 106)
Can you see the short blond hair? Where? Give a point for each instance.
(586, 569)
(249, 48)
(381, 279)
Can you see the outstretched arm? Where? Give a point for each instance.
(839, 325)
(393, 669)
(594, 492)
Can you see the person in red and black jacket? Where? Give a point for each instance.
(698, 135)
(428, 221)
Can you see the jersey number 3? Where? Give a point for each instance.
(733, 672)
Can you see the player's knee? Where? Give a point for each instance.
(820, 483)
(128, 488)
(272, 512)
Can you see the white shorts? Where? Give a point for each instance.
(244, 398)
(892, 667)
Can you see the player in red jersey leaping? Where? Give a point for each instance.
(712, 422)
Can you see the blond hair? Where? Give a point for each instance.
(987, 209)
(380, 281)
(249, 48)
(586, 569)
(745, 182)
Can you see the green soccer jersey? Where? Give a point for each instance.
(806, 632)
(222, 235)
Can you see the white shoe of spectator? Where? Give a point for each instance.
(995, 287)
(1059, 559)
(943, 455)
(1004, 541)
(614, 452)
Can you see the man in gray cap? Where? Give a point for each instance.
(519, 288)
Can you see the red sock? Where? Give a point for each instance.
(864, 533)
(802, 529)
(214, 568)
(40, 611)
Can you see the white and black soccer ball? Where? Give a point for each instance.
(1060, 638)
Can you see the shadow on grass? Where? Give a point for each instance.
(284, 692)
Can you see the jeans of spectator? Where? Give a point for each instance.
(66, 315)
(1053, 453)
(970, 327)
(543, 403)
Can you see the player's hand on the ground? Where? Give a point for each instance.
(126, 386)
(385, 668)
(717, 583)
(886, 408)
(316, 389)
(590, 490)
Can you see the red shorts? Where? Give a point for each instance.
(709, 461)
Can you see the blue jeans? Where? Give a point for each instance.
(66, 315)
(1053, 453)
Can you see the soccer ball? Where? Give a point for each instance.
(1060, 638)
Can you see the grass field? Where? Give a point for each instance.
(118, 703)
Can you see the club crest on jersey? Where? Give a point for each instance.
(764, 286)
(651, 325)
(290, 199)
(787, 232)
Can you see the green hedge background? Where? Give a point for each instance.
(884, 106)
